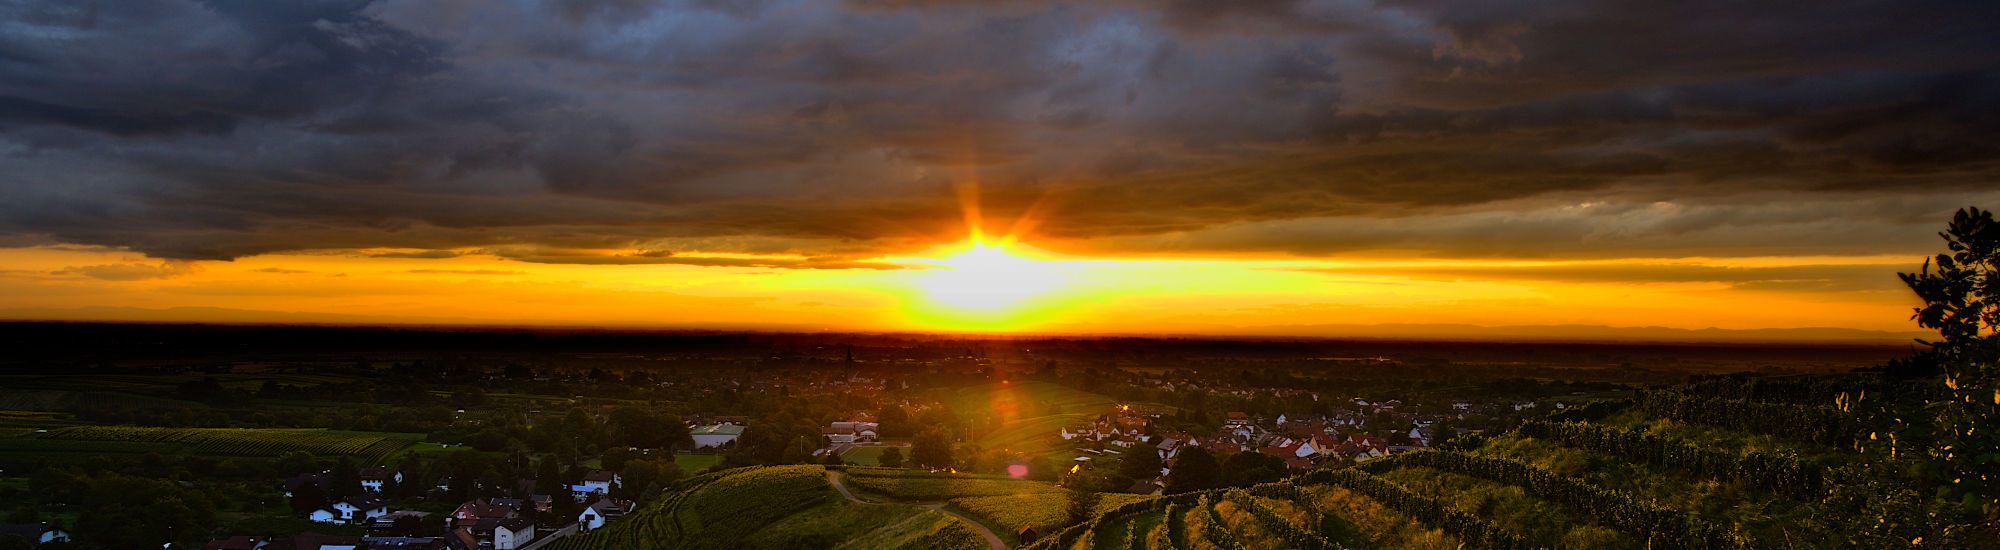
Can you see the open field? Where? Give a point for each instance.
(366, 447)
(779, 507)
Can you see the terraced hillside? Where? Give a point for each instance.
(1687, 468)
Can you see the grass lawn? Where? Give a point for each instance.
(871, 455)
(692, 463)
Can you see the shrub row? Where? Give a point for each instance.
(1823, 425)
(1468, 528)
(1786, 474)
(1661, 527)
(1287, 531)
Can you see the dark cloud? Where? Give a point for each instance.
(540, 255)
(839, 131)
(1796, 277)
(421, 255)
(464, 272)
(130, 271)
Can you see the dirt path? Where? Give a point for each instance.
(833, 478)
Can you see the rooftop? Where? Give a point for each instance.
(719, 429)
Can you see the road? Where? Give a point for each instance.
(833, 478)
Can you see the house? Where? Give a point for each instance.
(602, 512)
(540, 502)
(1026, 535)
(1170, 446)
(470, 514)
(38, 533)
(325, 515)
(373, 478)
(403, 543)
(312, 541)
(1144, 488)
(1237, 420)
(513, 533)
(322, 480)
(356, 509)
(461, 539)
(837, 434)
(715, 435)
(388, 521)
(237, 543)
(601, 481)
(852, 431)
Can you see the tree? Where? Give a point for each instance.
(614, 458)
(345, 479)
(1141, 463)
(297, 462)
(891, 457)
(1962, 302)
(548, 477)
(799, 452)
(1082, 505)
(1442, 431)
(1250, 468)
(895, 422)
(15, 542)
(1194, 469)
(932, 450)
(1040, 469)
(307, 497)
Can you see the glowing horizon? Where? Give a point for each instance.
(970, 286)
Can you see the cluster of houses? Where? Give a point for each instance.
(481, 524)
(495, 524)
(36, 533)
(328, 542)
(1302, 442)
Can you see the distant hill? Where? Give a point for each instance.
(1396, 331)
(1590, 333)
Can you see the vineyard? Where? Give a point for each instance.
(365, 447)
(1711, 466)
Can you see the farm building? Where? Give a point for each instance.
(716, 435)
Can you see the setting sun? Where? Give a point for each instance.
(987, 277)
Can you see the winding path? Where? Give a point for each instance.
(833, 478)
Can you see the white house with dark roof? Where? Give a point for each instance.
(601, 512)
(513, 533)
(356, 509)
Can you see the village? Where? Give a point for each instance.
(513, 456)
(524, 515)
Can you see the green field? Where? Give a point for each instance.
(779, 507)
(1039, 411)
(692, 463)
(366, 447)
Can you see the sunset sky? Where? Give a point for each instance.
(1188, 166)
